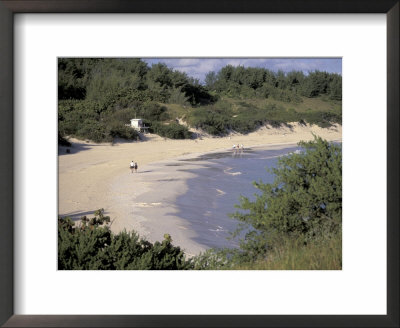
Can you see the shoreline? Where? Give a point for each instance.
(97, 176)
(148, 205)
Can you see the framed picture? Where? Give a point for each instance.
(31, 298)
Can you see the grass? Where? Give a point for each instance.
(320, 103)
(289, 254)
(240, 106)
(176, 110)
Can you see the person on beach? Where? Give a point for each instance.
(136, 166)
(132, 166)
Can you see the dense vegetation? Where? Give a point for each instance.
(294, 223)
(97, 98)
(92, 246)
(260, 82)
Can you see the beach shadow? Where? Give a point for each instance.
(174, 164)
(144, 171)
(76, 147)
(144, 137)
(120, 141)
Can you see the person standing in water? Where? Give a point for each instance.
(132, 166)
(136, 167)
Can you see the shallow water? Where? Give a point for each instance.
(217, 186)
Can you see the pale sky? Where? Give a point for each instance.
(199, 67)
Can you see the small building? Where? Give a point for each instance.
(138, 125)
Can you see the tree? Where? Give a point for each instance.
(335, 87)
(315, 83)
(161, 74)
(295, 79)
(305, 199)
(210, 80)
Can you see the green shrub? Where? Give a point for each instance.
(119, 130)
(92, 246)
(178, 97)
(322, 119)
(212, 259)
(152, 111)
(305, 199)
(171, 130)
(93, 130)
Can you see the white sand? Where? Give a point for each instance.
(97, 176)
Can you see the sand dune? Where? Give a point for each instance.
(94, 176)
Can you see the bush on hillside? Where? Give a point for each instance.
(152, 111)
(119, 130)
(93, 130)
(171, 130)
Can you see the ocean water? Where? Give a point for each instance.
(217, 186)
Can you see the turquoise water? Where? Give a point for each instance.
(216, 188)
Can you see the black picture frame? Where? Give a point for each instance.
(10, 7)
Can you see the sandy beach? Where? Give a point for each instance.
(94, 176)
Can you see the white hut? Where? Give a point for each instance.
(138, 125)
